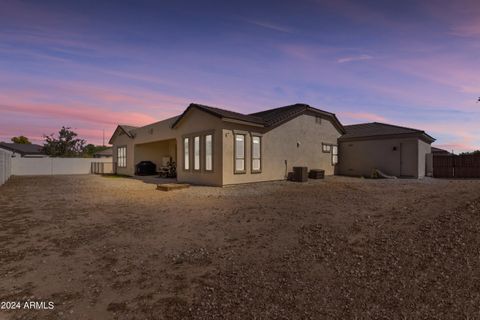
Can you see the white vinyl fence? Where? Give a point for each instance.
(5, 165)
(56, 166)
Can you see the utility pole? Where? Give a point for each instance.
(104, 137)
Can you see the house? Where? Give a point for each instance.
(107, 153)
(440, 152)
(213, 146)
(24, 150)
(394, 150)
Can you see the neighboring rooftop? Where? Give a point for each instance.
(23, 149)
(440, 151)
(104, 153)
(377, 129)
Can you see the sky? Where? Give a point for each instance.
(91, 65)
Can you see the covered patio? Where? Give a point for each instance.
(161, 153)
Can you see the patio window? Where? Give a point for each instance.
(239, 153)
(208, 152)
(122, 157)
(186, 153)
(256, 154)
(334, 155)
(196, 153)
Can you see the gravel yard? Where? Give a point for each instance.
(341, 248)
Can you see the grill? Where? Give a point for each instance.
(145, 168)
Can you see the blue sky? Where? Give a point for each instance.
(92, 64)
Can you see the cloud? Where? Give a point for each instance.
(79, 112)
(354, 58)
(271, 26)
(363, 116)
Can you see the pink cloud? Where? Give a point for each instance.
(79, 112)
(364, 116)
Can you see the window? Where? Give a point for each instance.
(208, 152)
(334, 155)
(186, 154)
(326, 147)
(256, 154)
(122, 157)
(239, 153)
(318, 120)
(196, 153)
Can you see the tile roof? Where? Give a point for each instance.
(128, 129)
(22, 149)
(228, 114)
(274, 116)
(377, 129)
(265, 118)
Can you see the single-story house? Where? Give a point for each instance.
(213, 146)
(107, 153)
(24, 150)
(394, 150)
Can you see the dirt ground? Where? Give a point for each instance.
(341, 248)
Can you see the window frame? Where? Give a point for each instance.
(326, 145)
(235, 171)
(124, 157)
(260, 158)
(205, 151)
(189, 161)
(199, 153)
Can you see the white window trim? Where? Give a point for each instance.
(211, 152)
(123, 163)
(186, 157)
(195, 157)
(235, 153)
(260, 153)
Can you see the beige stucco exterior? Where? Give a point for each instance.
(401, 157)
(297, 142)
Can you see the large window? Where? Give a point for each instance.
(256, 154)
(196, 153)
(239, 153)
(208, 152)
(122, 157)
(186, 154)
(334, 155)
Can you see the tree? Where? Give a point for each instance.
(469, 153)
(65, 145)
(90, 149)
(21, 140)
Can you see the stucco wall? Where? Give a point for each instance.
(280, 151)
(120, 141)
(425, 164)
(199, 123)
(359, 158)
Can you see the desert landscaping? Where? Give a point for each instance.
(340, 248)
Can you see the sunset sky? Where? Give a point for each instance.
(90, 65)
